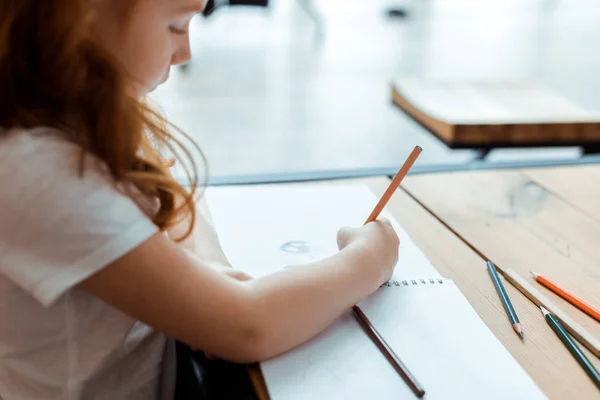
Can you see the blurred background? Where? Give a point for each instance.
(304, 86)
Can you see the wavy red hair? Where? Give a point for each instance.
(52, 74)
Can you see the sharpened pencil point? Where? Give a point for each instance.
(521, 334)
(534, 274)
(519, 329)
(544, 311)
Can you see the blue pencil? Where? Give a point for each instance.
(512, 315)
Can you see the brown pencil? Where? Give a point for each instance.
(387, 351)
(375, 336)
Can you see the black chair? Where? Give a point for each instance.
(199, 378)
(213, 5)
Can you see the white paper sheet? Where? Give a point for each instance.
(264, 230)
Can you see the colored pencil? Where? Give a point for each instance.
(363, 320)
(565, 294)
(387, 351)
(395, 183)
(572, 346)
(576, 330)
(508, 307)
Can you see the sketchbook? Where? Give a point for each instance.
(426, 320)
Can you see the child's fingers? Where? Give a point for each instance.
(344, 236)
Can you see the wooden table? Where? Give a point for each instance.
(546, 220)
(543, 220)
(497, 114)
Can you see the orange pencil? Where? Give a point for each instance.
(582, 305)
(395, 183)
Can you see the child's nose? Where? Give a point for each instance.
(182, 56)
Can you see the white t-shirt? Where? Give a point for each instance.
(56, 229)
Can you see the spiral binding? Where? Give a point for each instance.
(415, 282)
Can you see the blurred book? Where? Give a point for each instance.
(479, 114)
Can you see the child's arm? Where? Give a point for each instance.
(245, 321)
(203, 236)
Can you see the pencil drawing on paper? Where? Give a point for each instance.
(299, 248)
(297, 252)
(296, 246)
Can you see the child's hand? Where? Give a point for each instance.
(378, 242)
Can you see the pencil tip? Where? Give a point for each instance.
(544, 311)
(534, 274)
(521, 334)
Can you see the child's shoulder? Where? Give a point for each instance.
(18, 141)
(40, 150)
(45, 159)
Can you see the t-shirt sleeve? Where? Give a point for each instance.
(58, 227)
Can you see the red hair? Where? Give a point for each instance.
(52, 74)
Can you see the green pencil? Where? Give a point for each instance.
(572, 346)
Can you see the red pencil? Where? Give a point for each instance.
(582, 305)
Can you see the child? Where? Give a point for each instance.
(104, 261)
